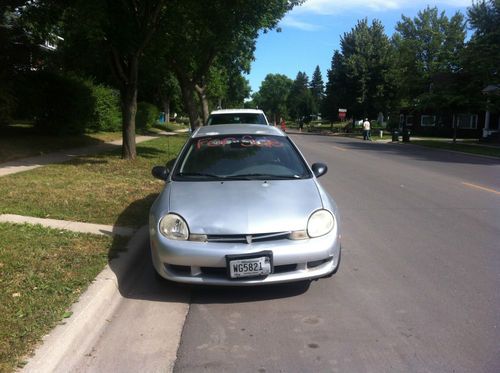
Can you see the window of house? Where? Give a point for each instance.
(428, 120)
(466, 121)
(401, 119)
(409, 120)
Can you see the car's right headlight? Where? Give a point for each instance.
(174, 227)
(320, 223)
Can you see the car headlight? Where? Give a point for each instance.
(174, 227)
(320, 223)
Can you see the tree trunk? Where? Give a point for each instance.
(126, 71)
(187, 91)
(166, 108)
(129, 110)
(201, 91)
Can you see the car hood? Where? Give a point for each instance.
(245, 207)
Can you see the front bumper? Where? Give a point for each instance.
(205, 262)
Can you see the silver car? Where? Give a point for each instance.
(242, 207)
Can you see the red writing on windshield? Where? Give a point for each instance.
(245, 141)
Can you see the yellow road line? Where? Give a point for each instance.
(339, 148)
(481, 188)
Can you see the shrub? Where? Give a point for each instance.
(66, 104)
(146, 117)
(60, 104)
(7, 105)
(107, 113)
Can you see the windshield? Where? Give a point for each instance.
(240, 157)
(246, 118)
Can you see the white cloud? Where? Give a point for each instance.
(290, 21)
(329, 7)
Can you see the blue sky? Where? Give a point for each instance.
(310, 33)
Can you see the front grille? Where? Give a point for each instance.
(285, 268)
(247, 238)
(214, 271)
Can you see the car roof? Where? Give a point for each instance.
(237, 129)
(236, 111)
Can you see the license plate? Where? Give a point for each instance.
(249, 267)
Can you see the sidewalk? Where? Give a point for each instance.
(74, 226)
(31, 163)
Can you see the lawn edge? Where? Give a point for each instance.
(68, 342)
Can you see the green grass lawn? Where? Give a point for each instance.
(460, 147)
(98, 189)
(20, 141)
(42, 272)
(171, 126)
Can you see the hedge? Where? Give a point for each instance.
(67, 104)
(146, 117)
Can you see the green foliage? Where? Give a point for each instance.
(146, 117)
(300, 101)
(317, 89)
(7, 105)
(428, 59)
(482, 53)
(107, 114)
(60, 104)
(273, 94)
(359, 79)
(66, 104)
(201, 34)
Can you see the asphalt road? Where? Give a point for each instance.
(417, 291)
(418, 287)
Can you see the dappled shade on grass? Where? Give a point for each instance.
(20, 141)
(94, 189)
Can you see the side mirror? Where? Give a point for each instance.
(160, 172)
(319, 169)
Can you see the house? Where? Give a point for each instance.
(476, 124)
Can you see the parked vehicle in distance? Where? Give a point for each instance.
(241, 206)
(237, 116)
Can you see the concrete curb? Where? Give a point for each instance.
(456, 152)
(64, 346)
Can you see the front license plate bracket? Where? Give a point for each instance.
(258, 264)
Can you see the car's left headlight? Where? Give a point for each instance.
(320, 223)
(174, 227)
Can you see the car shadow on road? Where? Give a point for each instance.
(137, 279)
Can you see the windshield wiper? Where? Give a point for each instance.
(199, 174)
(260, 176)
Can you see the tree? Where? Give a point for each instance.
(367, 58)
(336, 95)
(317, 88)
(300, 102)
(123, 29)
(17, 51)
(237, 91)
(359, 78)
(428, 52)
(481, 55)
(273, 95)
(212, 32)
